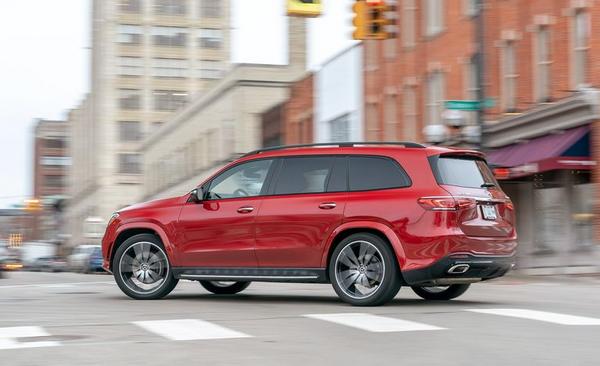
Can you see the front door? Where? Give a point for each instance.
(220, 230)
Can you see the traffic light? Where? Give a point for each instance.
(33, 205)
(304, 8)
(372, 19)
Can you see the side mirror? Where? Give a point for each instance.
(196, 195)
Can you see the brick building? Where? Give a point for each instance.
(298, 119)
(541, 64)
(51, 163)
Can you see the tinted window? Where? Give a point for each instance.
(338, 180)
(244, 180)
(304, 175)
(368, 173)
(462, 171)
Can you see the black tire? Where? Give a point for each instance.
(127, 285)
(389, 282)
(224, 288)
(451, 292)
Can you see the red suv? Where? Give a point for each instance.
(365, 217)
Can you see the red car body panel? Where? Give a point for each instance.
(291, 231)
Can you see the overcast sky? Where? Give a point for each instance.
(45, 61)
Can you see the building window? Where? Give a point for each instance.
(55, 160)
(508, 69)
(169, 100)
(210, 69)
(130, 131)
(543, 63)
(435, 98)
(210, 38)
(129, 34)
(210, 8)
(339, 129)
(390, 118)
(471, 87)
(130, 99)
(409, 11)
(130, 163)
(434, 17)
(470, 7)
(581, 28)
(170, 7)
(130, 6)
(169, 68)
(410, 113)
(54, 181)
(131, 66)
(169, 36)
(54, 143)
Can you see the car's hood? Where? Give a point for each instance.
(166, 202)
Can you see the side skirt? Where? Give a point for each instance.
(298, 275)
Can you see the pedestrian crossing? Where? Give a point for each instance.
(14, 338)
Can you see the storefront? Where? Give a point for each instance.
(544, 160)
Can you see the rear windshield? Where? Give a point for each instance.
(463, 171)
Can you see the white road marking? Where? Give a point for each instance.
(373, 323)
(544, 316)
(188, 329)
(53, 285)
(8, 337)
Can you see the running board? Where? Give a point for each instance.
(298, 275)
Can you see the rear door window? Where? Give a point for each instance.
(309, 175)
(463, 171)
(370, 173)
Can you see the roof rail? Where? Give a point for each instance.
(338, 144)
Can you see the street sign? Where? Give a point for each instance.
(469, 105)
(304, 8)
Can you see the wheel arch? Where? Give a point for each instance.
(127, 231)
(381, 230)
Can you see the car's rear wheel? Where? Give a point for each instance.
(363, 270)
(141, 268)
(440, 292)
(224, 288)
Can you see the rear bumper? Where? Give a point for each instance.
(460, 268)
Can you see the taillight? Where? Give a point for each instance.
(446, 203)
(509, 205)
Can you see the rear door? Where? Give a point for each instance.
(306, 203)
(488, 212)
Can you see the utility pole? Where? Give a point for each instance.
(480, 64)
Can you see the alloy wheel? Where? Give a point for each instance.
(144, 267)
(359, 269)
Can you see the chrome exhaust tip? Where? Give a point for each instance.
(458, 268)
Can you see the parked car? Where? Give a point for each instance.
(94, 263)
(365, 217)
(52, 263)
(79, 259)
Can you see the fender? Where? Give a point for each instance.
(147, 225)
(386, 230)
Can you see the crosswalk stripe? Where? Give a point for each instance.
(9, 335)
(188, 329)
(373, 323)
(544, 316)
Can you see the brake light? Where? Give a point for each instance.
(509, 205)
(447, 203)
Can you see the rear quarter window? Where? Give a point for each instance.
(462, 171)
(371, 173)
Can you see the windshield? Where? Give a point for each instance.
(463, 171)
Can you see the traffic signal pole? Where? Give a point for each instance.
(480, 64)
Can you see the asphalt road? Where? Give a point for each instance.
(73, 319)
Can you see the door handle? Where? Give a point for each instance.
(245, 209)
(327, 205)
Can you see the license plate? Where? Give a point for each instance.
(489, 212)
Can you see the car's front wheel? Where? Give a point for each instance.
(224, 288)
(440, 292)
(141, 268)
(363, 270)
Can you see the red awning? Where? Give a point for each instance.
(538, 149)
